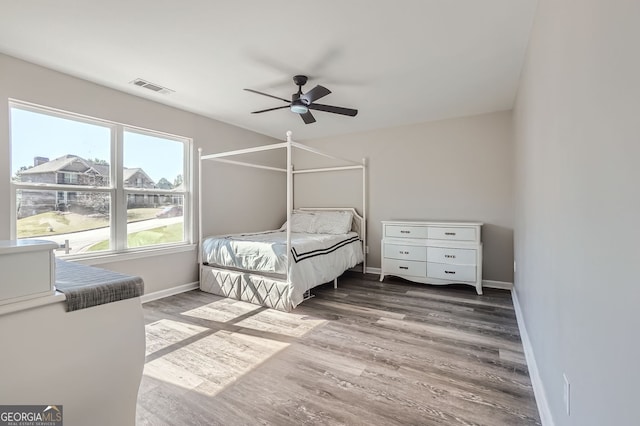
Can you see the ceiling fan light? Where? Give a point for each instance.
(299, 108)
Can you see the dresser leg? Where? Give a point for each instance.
(479, 289)
(381, 277)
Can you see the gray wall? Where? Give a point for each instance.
(233, 198)
(458, 169)
(577, 133)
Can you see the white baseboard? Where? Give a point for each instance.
(502, 285)
(371, 270)
(169, 292)
(541, 398)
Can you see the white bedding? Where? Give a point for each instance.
(316, 258)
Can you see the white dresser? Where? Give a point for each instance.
(432, 252)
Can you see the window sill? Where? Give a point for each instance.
(98, 259)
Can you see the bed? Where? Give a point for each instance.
(254, 267)
(278, 268)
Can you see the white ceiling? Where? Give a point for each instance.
(398, 62)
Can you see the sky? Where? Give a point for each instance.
(41, 135)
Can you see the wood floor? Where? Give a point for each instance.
(368, 353)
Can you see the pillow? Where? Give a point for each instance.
(320, 222)
(332, 222)
(301, 222)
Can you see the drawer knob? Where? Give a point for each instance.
(404, 252)
(450, 256)
(449, 233)
(403, 267)
(405, 232)
(449, 272)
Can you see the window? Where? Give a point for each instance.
(103, 186)
(67, 178)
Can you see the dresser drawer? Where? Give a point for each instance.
(451, 256)
(453, 234)
(451, 272)
(405, 231)
(396, 251)
(404, 267)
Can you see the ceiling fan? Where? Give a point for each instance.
(302, 103)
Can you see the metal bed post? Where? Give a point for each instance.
(364, 215)
(289, 202)
(200, 214)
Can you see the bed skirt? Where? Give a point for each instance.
(252, 288)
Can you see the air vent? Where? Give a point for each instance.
(151, 86)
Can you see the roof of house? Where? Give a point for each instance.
(129, 173)
(60, 163)
(103, 169)
(64, 162)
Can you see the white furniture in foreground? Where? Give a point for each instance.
(28, 269)
(433, 252)
(89, 361)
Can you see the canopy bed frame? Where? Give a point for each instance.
(252, 286)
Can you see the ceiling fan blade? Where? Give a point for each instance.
(334, 109)
(269, 109)
(315, 94)
(266, 94)
(308, 118)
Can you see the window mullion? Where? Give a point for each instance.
(14, 212)
(187, 231)
(119, 221)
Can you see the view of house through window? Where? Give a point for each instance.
(67, 184)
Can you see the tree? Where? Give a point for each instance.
(99, 162)
(164, 184)
(17, 177)
(177, 182)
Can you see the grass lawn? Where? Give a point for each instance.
(136, 215)
(54, 223)
(161, 235)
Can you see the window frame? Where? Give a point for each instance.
(116, 189)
